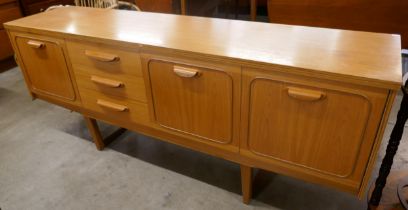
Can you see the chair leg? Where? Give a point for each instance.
(253, 9)
(227, 8)
(246, 183)
(236, 6)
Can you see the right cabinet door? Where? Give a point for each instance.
(299, 125)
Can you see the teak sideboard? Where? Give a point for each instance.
(310, 103)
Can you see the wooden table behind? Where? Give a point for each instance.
(9, 10)
(386, 16)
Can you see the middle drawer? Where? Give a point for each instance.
(122, 86)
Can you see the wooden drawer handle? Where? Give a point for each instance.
(110, 105)
(104, 57)
(36, 44)
(305, 95)
(106, 82)
(185, 72)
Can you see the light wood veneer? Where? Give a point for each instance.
(311, 103)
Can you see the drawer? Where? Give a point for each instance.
(101, 58)
(120, 109)
(127, 87)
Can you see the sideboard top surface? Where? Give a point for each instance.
(370, 57)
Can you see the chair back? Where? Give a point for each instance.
(97, 3)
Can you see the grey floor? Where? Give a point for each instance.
(48, 162)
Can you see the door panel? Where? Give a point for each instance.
(193, 100)
(314, 129)
(46, 67)
(304, 125)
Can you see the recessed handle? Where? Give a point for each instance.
(36, 44)
(112, 106)
(100, 56)
(305, 94)
(106, 82)
(185, 72)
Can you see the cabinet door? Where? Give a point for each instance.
(197, 101)
(311, 126)
(45, 67)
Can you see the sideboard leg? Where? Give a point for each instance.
(246, 183)
(392, 148)
(95, 133)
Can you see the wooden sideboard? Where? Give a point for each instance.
(310, 103)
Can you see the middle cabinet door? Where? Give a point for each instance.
(195, 99)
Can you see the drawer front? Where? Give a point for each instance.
(314, 126)
(194, 100)
(99, 58)
(127, 87)
(122, 110)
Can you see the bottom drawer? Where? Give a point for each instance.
(117, 108)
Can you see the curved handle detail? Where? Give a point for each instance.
(305, 94)
(185, 72)
(106, 82)
(36, 44)
(112, 106)
(104, 57)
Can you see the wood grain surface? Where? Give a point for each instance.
(347, 54)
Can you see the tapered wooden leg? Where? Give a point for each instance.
(95, 133)
(246, 183)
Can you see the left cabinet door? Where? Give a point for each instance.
(45, 67)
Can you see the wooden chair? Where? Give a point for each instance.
(108, 4)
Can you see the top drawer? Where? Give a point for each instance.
(99, 58)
